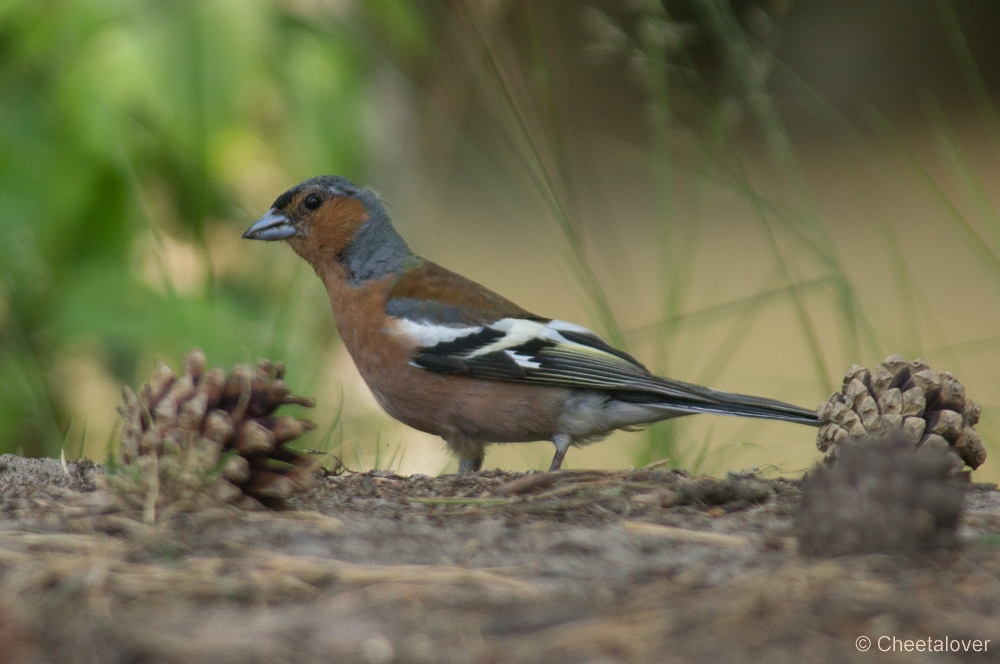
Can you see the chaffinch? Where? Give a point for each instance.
(450, 357)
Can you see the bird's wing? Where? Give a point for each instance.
(458, 327)
(548, 352)
(429, 293)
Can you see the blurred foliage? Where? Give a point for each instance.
(130, 132)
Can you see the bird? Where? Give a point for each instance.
(447, 356)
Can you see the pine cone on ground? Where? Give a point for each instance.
(208, 438)
(881, 496)
(930, 410)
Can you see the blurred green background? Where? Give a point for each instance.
(751, 195)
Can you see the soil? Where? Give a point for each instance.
(627, 566)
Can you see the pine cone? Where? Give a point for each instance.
(881, 496)
(209, 438)
(929, 408)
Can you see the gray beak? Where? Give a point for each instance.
(272, 226)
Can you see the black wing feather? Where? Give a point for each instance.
(585, 361)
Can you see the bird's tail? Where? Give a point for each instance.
(746, 406)
(706, 400)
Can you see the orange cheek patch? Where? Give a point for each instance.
(334, 227)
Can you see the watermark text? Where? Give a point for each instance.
(929, 644)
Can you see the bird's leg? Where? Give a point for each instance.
(470, 454)
(561, 441)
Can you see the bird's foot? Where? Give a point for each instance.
(470, 464)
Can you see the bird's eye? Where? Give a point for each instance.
(313, 201)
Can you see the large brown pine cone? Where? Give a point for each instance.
(205, 437)
(929, 408)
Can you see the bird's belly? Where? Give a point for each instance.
(477, 410)
(589, 415)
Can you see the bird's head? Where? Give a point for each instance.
(327, 219)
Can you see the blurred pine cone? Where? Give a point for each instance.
(205, 437)
(881, 496)
(930, 409)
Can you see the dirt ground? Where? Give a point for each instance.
(629, 566)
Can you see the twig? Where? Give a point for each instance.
(685, 535)
(486, 502)
(149, 504)
(527, 483)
